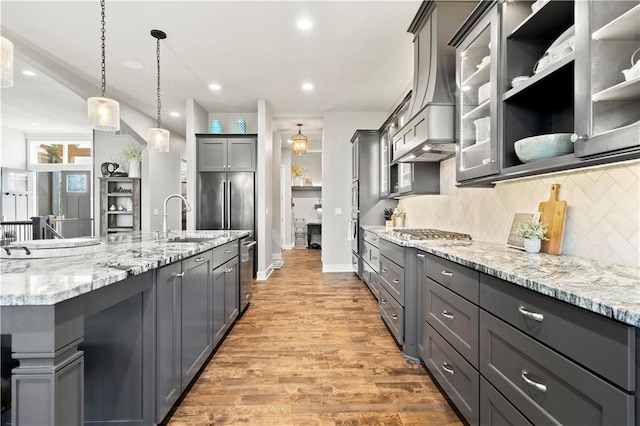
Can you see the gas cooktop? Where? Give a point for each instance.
(428, 234)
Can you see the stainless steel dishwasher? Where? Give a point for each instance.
(247, 245)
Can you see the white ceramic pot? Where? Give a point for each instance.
(134, 168)
(399, 222)
(388, 223)
(531, 246)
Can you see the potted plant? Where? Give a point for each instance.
(399, 214)
(388, 217)
(533, 233)
(133, 155)
(297, 171)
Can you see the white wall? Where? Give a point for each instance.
(313, 163)
(336, 183)
(287, 231)
(197, 119)
(160, 178)
(602, 222)
(229, 119)
(264, 186)
(13, 149)
(276, 231)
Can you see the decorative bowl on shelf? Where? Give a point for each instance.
(517, 81)
(543, 146)
(633, 72)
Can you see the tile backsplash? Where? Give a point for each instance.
(603, 216)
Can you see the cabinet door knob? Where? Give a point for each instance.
(448, 315)
(199, 259)
(421, 256)
(227, 251)
(395, 281)
(447, 274)
(537, 386)
(383, 302)
(384, 271)
(532, 315)
(582, 138)
(447, 368)
(394, 317)
(180, 275)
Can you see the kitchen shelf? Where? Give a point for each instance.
(119, 212)
(624, 27)
(306, 188)
(625, 91)
(542, 75)
(552, 19)
(480, 111)
(479, 77)
(119, 194)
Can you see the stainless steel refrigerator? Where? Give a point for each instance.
(226, 200)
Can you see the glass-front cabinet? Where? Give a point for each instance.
(384, 163)
(609, 53)
(476, 99)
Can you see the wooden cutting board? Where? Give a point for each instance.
(553, 212)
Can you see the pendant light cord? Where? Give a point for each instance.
(102, 38)
(158, 60)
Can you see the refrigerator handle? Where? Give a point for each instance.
(222, 198)
(229, 208)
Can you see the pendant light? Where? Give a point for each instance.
(299, 142)
(157, 138)
(104, 113)
(6, 63)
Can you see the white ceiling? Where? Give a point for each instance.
(358, 55)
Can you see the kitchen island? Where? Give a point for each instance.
(87, 325)
(513, 337)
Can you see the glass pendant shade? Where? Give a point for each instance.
(6, 63)
(158, 139)
(299, 143)
(104, 114)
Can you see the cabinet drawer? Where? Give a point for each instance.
(375, 285)
(457, 377)
(392, 278)
(392, 251)
(545, 386)
(371, 238)
(372, 256)
(224, 253)
(495, 410)
(455, 318)
(392, 314)
(455, 277)
(605, 346)
(195, 260)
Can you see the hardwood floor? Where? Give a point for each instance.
(312, 350)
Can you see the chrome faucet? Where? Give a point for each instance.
(165, 230)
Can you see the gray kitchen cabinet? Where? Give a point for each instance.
(195, 329)
(371, 262)
(355, 159)
(495, 410)
(225, 290)
(219, 317)
(168, 338)
(118, 193)
(226, 153)
(232, 285)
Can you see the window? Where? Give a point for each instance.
(49, 152)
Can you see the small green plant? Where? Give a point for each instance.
(388, 213)
(131, 152)
(399, 212)
(533, 230)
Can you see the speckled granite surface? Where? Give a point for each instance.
(49, 281)
(607, 289)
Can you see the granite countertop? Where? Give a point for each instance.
(607, 289)
(52, 280)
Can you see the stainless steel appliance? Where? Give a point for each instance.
(226, 200)
(247, 245)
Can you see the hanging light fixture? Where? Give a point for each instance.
(299, 142)
(157, 138)
(104, 113)
(6, 63)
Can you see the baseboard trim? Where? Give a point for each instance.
(287, 246)
(264, 275)
(337, 267)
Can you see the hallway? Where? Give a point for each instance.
(312, 350)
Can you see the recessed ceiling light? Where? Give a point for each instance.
(215, 86)
(133, 65)
(35, 124)
(174, 114)
(307, 86)
(29, 73)
(304, 24)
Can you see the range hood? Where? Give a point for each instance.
(429, 134)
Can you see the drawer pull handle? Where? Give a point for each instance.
(447, 274)
(395, 317)
(533, 315)
(537, 386)
(227, 251)
(384, 271)
(421, 256)
(199, 259)
(180, 275)
(383, 302)
(374, 257)
(448, 315)
(395, 281)
(447, 368)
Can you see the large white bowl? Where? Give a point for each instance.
(543, 146)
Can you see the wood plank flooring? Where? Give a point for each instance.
(312, 350)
